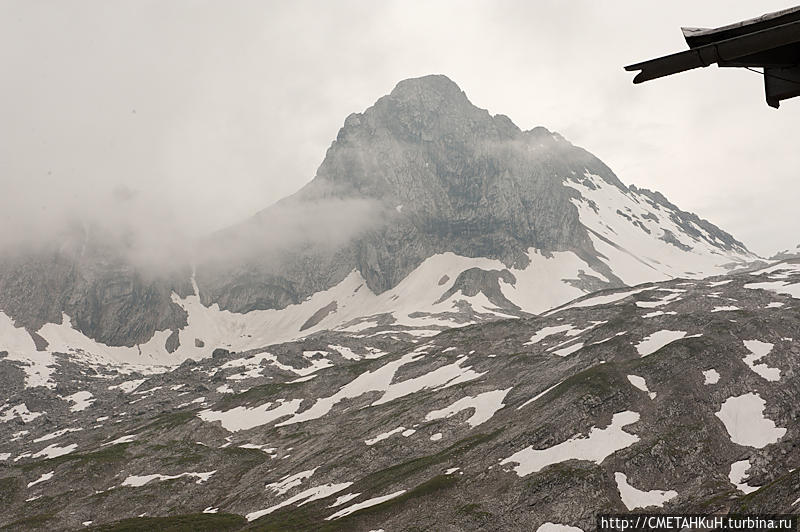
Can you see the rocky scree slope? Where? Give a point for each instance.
(670, 396)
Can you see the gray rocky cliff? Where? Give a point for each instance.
(105, 295)
(439, 174)
(421, 172)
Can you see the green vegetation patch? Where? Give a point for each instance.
(565, 476)
(600, 380)
(307, 518)
(27, 523)
(165, 421)
(474, 510)
(9, 489)
(183, 453)
(297, 518)
(716, 502)
(220, 522)
(381, 479)
(245, 458)
(256, 394)
(312, 516)
(763, 499)
(112, 453)
(362, 366)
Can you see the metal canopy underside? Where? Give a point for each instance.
(771, 42)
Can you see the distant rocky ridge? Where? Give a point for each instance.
(787, 254)
(420, 176)
(108, 298)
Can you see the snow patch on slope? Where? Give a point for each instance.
(743, 417)
(737, 474)
(659, 339)
(136, 481)
(634, 498)
(81, 400)
(779, 287)
(365, 504)
(711, 376)
(244, 418)
(759, 350)
(485, 405)
(596, 447)
(555, 527)
(640, 383)
(379, 380)
(19, 411)
(309, 495)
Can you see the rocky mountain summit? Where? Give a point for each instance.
(441, 175)
(669, 396)
(425, 210)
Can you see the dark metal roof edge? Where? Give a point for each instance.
(748, 22)
(701, 36)
(727, 49)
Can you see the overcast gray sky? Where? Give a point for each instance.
(206, 112)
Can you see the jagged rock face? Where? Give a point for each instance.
(106, 296)
(690, 223)
(458, 173)
(464, 181)
(447, 176)
(442, 176)
(421, 174)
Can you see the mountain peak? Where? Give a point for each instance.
(430, 107)
(432, 85)
(427, 109)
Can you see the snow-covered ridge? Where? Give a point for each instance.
(413, 305)
(636, 238)
(640, 239)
